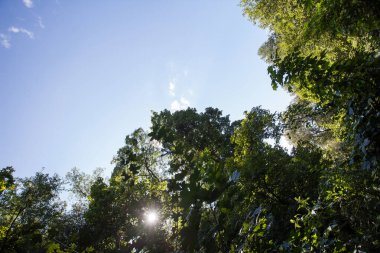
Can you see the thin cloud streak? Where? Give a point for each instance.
(28, 3)
(40, 23)
(14, 29)
(4, 41)
(172, 88)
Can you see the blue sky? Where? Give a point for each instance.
(78, 76)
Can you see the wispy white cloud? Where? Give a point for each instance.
(40, 23)
(180, 104)
(172, 87)
(181, 95)
(4, 41)
(28, 3)
(14, 29)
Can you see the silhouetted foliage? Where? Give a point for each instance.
(222, 186)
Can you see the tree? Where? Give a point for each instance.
(254, 212)
(27, 211)
(116, 217)
(345, 91)
(80, 186)
(6, 179)
(198, 145)
(327, 54)
(222, 186)
(232, 189)
(339, 28)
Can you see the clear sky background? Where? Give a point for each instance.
(77, 76)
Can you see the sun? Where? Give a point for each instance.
(151, 217)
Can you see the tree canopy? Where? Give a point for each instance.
(217, 185)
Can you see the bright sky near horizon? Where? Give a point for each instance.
(78, 76)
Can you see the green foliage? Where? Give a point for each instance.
(345, 90)
(80, 182)
(222, 186)
(6, 179)
(27, 211)
(115, 219)
(339, 28)
(56, 248)
(327, 54)
(198, 147)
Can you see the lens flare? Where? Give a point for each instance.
(151, 217)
